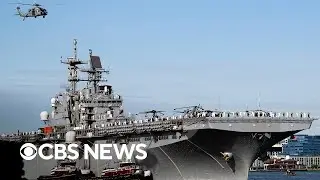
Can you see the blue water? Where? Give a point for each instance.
(282, 176)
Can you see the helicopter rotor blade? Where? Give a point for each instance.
(22, 4)
(180, 108)
(186, 107)
(208, 111)
(145, 112)
(179, 111)
(150, 112)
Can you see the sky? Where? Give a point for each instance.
(165, 54)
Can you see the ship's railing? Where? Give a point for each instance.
(101, 104)
(108, 131)
(253, 114)
(174, 123)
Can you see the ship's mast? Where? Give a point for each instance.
(94, 73)
(72, 109)
(94, 77)
(73, 69)
(74, 73)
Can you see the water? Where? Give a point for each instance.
(282, 176)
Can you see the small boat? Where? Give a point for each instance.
(290, 173)
(65, 167)
(126, 170)
(65, 170)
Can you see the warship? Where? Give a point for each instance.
(195, 144)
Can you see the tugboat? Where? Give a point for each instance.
(65, 169)
(127, 170)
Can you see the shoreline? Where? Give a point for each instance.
(305, 170)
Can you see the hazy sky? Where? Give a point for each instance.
(172, 53)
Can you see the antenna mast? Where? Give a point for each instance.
(72, 109)
(258, 102)
(73, 68)
(94, 72)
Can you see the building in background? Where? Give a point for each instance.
(257, 165)
(303, 149)
(308, 161)
(302, 145)
(283, 164)
(274, 152)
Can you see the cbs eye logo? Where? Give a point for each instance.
(28, 151)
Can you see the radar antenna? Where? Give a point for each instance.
(94, 72)
(258, 102)
(73, 68)
(73, 62)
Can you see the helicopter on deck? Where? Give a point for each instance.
(35, 11)
(190, 110)
(154, 113)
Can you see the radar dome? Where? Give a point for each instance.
(53, 100)
(44, 115)
(70, 136)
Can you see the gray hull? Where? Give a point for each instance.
(198, 157)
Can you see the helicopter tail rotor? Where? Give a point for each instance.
(19, 13)
(18, 10)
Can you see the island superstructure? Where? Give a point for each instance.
(197, 144)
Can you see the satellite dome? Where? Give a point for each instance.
(44, 115)
(53, 100)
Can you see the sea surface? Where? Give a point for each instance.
(315, 175)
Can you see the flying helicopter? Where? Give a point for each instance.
(35, 11)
